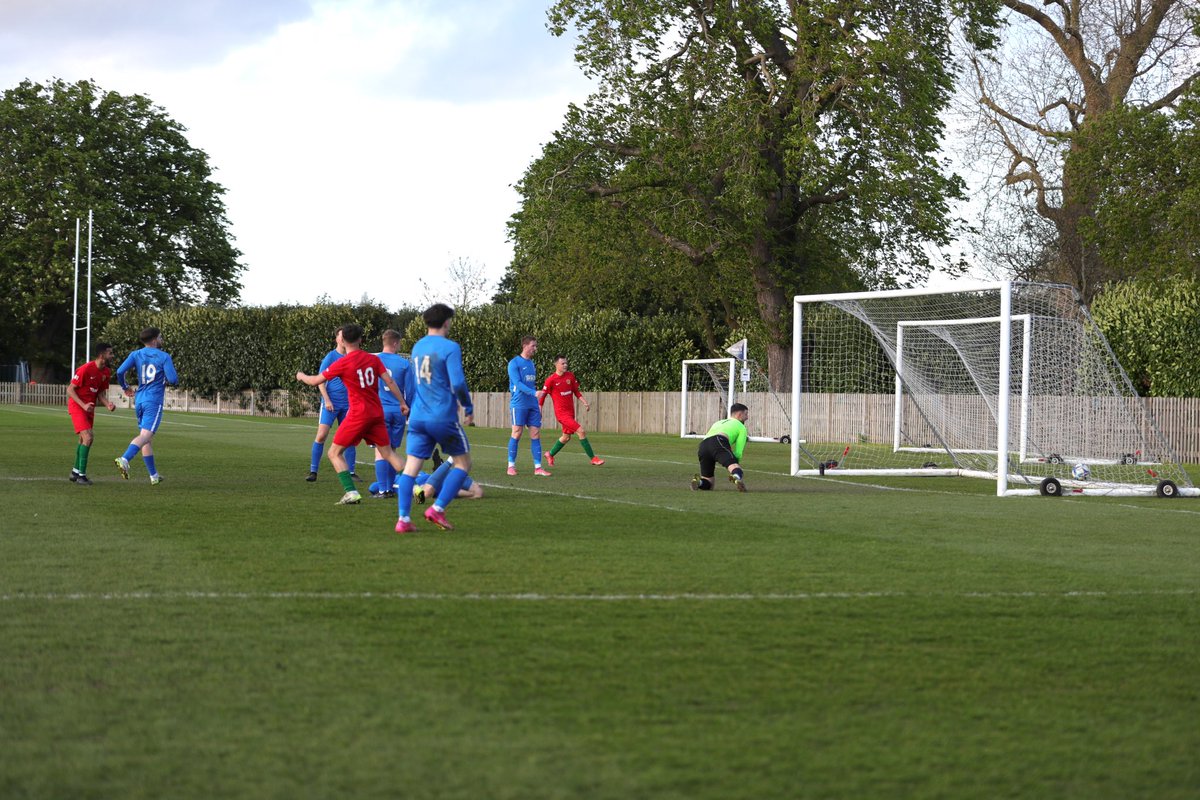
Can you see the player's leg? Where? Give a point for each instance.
(419, 446)
(703, 480)
(324, 425)
(534, 422)
(558, 445)
(587, 447)
(518, 424)
(453, 442)
(728, 460)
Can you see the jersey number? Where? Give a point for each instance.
(147, 374)
(366, 377)
(424, 371)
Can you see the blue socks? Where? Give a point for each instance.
(454, 482)
(512, 451)
(318, 450)
(404, 490)
(535, 447)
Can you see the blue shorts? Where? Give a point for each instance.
(395, 423)
(329, 417)
(149, 416)
(527, 417)
(424, 434)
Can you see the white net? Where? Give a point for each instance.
(711, 385)
(918, 382)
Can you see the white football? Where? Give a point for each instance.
(1081, 472)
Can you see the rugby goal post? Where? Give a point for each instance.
(1009, 381)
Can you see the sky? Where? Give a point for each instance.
(364, 145)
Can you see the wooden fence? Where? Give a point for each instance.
(866, 416)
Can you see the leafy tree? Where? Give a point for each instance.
(1046, 97)
(735, 154)
(160, 234)
(1154, 330)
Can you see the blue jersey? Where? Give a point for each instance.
(401, 372)
(522, 381)
(335, 387)
(154, 371)
(440, 383)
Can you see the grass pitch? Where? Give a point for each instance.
(604, 633)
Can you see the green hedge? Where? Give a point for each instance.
(1153, 327)
(608, 350)
(234, 349)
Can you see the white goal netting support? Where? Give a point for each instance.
(711, 385)
(1008, 381)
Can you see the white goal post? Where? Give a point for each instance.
(710, 386)
(1010, 381)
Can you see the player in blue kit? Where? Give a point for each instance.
(395, 409)
(526, 408)
(154, 371)
(334, 407)
(441, 387)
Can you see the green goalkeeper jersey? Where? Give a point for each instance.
(733, 430)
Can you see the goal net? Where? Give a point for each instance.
(711, 385)
(1008, 381)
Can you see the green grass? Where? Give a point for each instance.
(604, 633)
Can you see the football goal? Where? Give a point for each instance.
(1009, 381)
(711, 385)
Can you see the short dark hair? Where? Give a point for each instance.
(148, 335)
(391, 335)
(101, 347)
(560, 355)
(526, 339)
(737, 407)
(352, 333)
(437, 315)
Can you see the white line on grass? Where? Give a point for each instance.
(539, 597)
(502, 486)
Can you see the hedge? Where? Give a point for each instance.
(234, 349)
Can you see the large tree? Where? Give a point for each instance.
(736, 153)
(160, 235)
(1074, 85)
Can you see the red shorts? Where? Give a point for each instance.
(353, 430)
(84, 421)
(569, 425)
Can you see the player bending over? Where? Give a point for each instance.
(441, 387)
(88, 386)
(360, 372)
(723, 444)
(562, 386)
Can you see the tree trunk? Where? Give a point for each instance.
(774, 307)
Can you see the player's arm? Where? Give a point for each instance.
(514, 380)
(458, 382)
(582, 399)
(394, 388)
(74, 395)
(409, 384)
(314, 380)
(129, 363)
(547, 388)
(739, 442)
(169, 372)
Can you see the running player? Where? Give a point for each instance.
(360, 372)
(562, 386)
(441, 387)
(154, 371)
(89, 385)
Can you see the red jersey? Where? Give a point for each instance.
(564, 389)
(90, 382)
(359, 371)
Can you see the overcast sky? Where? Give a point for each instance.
(363, 144)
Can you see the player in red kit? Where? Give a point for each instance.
(88, 386)
(562, 386)
(361, 373)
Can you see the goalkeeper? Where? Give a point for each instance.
(723, 444)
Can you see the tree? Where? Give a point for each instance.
(160, 233)
(734, 154)
(464, 285)
(1064, 68)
